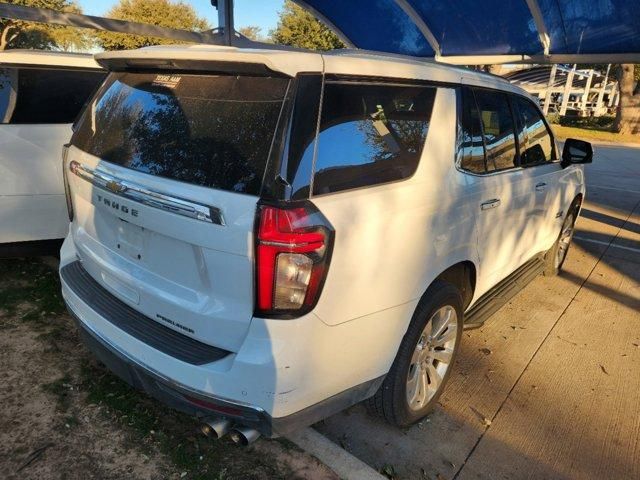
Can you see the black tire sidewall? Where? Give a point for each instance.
(439, 295)
(550, 259)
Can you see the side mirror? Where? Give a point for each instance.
(576, 152)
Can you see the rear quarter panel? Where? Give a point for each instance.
(393, 240)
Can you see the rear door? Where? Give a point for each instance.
(37, 108)
(166, 171)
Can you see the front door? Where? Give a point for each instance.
(500, 193)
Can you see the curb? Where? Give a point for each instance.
(345, 465)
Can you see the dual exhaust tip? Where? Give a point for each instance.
(217, 428)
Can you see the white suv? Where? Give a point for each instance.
(265, 237)
(41, 94)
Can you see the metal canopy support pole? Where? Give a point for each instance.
(536, 13)
(422, 26)
(328, 23)
(225, 20)
(567, 91)
(547, 95)
(53, 17)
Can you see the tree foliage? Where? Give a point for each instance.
(251, 32)
(165, 13)
(21, 34)
(298, 28)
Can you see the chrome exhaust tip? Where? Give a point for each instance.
(244, 435)
(216, 427)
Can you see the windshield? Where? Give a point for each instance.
(209, 130)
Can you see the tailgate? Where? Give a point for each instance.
(164, 173)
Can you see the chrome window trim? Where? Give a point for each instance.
(138, 193)
(458, 153)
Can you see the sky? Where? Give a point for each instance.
(261, 13)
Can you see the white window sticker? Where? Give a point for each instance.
(168, 81)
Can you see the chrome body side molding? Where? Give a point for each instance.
(138, 193)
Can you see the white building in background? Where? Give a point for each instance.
(566, 90)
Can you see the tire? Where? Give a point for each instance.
(400, 400)
(555, 257)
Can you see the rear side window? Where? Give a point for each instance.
(498, 129)
(210, 130)
(8, 85)
(370, 134)
(45, 96)
(472, 143)
(538, 143)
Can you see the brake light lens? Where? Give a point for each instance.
(293, 251)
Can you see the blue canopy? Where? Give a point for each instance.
(456, 28)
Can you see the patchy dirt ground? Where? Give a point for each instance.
(65, 416)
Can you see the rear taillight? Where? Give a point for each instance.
(293, 250)
(67, 191)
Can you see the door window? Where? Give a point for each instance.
(370, 134)
(472, 143)
(538, 144)
(47, 96)
(498, 129)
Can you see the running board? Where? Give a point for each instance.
(498, 296)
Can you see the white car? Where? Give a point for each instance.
(41, 94)
(264, 237)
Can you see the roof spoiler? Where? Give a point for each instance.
(124, 64)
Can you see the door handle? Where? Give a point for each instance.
(489, 204)
(541, 187)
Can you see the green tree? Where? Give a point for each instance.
(21, 34)
(251, 32)
(298, 28)
(165, 13)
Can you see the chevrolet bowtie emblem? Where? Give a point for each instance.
(115, 187)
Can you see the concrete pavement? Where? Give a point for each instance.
(550, 386)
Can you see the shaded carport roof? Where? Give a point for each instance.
(453, 31)
(549, 31)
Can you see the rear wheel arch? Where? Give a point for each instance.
(462, 275)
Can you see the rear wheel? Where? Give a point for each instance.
(555, 257)
(424, 361)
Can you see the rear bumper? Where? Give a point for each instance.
(168, 391)
(204, 405)
(287, 374)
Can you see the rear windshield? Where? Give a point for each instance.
(209, 130)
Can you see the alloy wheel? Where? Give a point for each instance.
(564, 241)
(432, 357)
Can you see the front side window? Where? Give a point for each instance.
(538, 144)
(210, 130)
(498, 129)
(370, 134)
(48, 96)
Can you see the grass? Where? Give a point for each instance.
(30, 293)
(31, 285)
(175, 434)
(591, 128)
(594, 135)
